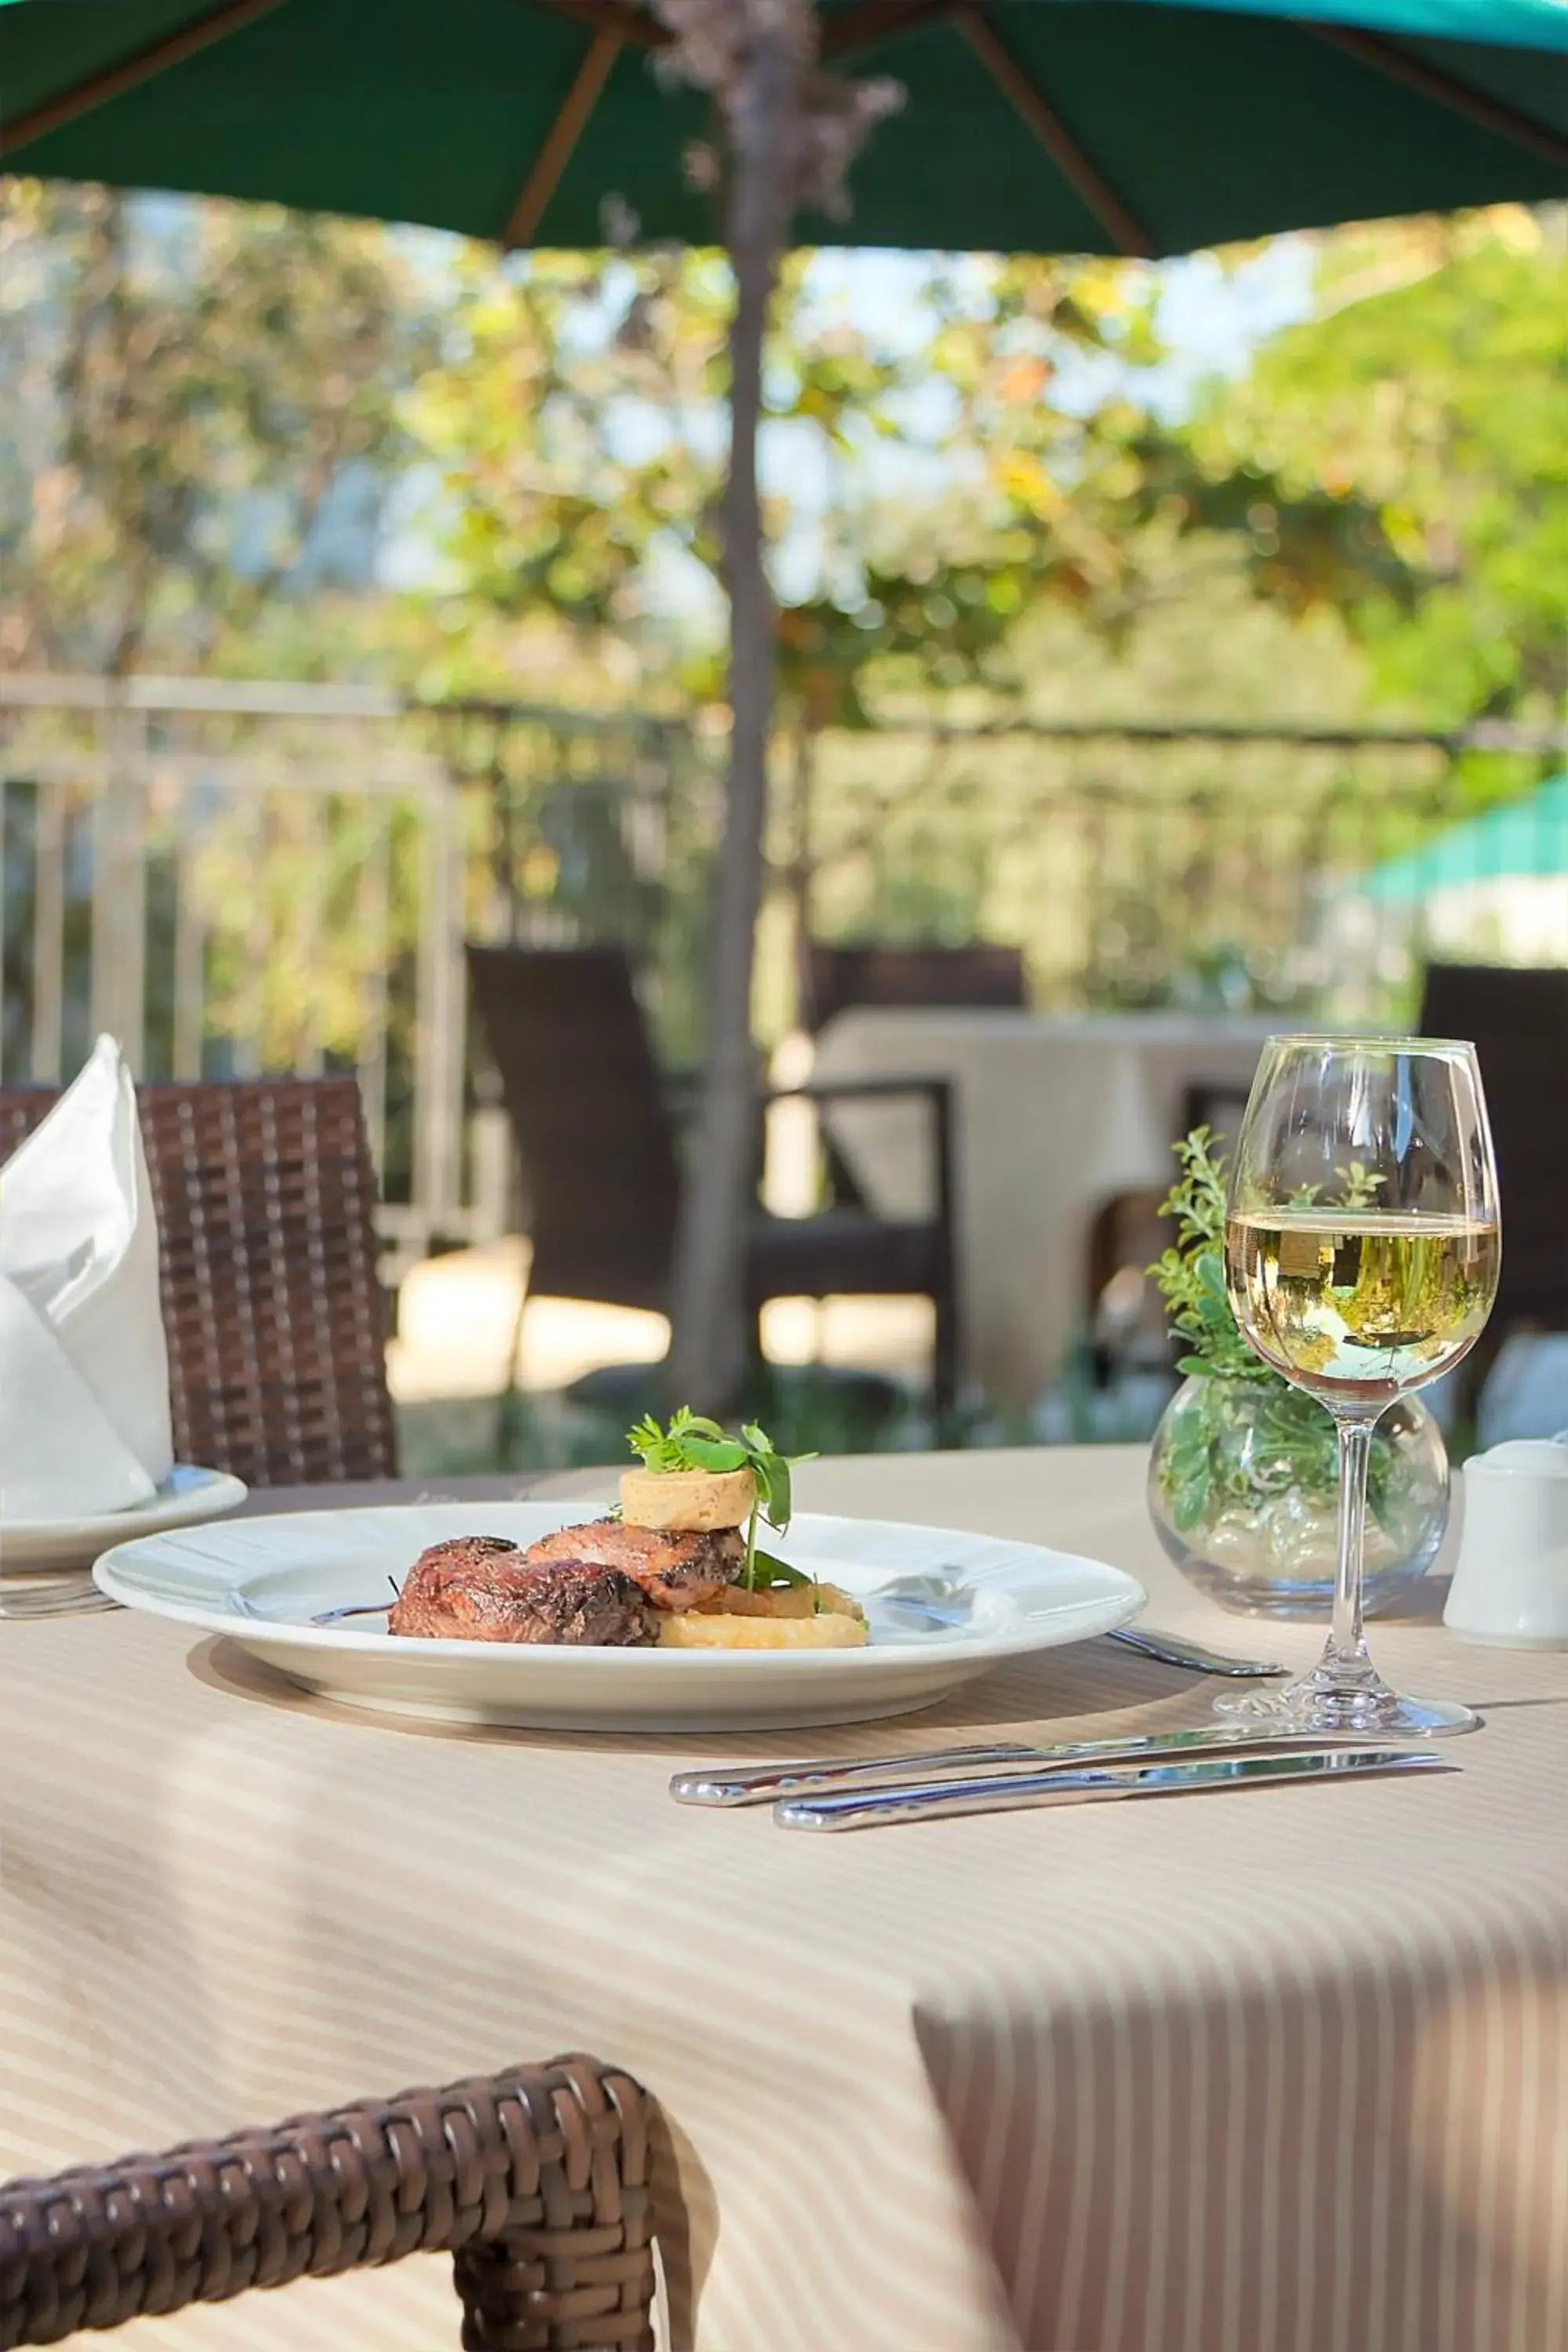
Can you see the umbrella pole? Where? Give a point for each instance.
(709, 1341)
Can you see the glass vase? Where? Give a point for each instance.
(1242, 1487)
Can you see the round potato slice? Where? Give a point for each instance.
(688, 1502)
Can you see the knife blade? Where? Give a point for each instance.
(1096, 1783)
(762, 1784)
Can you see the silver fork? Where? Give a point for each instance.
(936, 1602)
(1175, 1650)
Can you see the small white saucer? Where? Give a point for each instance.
(187, 1496)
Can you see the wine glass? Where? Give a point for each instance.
(1361, 1255)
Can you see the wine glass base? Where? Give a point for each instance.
(1323, 1701)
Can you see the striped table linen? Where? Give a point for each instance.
(1283, 2073)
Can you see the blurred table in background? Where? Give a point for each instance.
(1053, 1115)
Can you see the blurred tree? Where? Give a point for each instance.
(575, 423)
(937, 473)
(202, 438)
(203, 405)
(923, 491)
(1404, 454)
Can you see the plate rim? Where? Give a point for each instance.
(327, 1642)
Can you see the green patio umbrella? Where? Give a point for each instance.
(1034, 125)
(1524, 839)
(1108, 126)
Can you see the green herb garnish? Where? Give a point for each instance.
(691, 1441)
(1190, 1276)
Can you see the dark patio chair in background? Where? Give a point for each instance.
(275, 1318)
(1518, 1022)
(1220, 1107)
(834, 978)
(598, 1139)
(1123, 1310)
(536, 2180)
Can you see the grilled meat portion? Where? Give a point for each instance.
(481, 1589)
(676, 1571)
(460, 1549)
(599, 1583)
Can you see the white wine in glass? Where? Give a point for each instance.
(1362, 1249)
(1349, 1303)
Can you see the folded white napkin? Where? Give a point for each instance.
(84, 1373)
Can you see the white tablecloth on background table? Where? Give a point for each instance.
(1285, 2071)
(1051, 1117)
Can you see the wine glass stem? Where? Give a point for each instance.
(1347, 1642)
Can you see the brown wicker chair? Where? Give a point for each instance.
(1518, 1022)
(597, 1139)
(536, 2180)
(274, 1320)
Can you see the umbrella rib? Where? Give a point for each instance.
(627, 23)
(1431, 81)
(1076, 166)
(544, 176)
(157, 57)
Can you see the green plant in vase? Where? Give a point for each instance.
(1243, 1472)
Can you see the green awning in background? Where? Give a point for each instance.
(1528, 837)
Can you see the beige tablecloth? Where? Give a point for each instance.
(1285, 2073)
(1052, 1115)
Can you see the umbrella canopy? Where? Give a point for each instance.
(1132, 126)
(1523, 839)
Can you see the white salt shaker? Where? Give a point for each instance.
(1510, 1582)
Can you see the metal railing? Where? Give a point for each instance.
(1240, 867)
(240, 878)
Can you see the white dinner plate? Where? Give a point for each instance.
(186, 1495)
(262, 1582)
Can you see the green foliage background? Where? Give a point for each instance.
(253, 444)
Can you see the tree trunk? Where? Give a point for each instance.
(802, 867)
(709, 1341)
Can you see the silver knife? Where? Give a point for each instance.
(1093, 1783)
(761, 1784)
